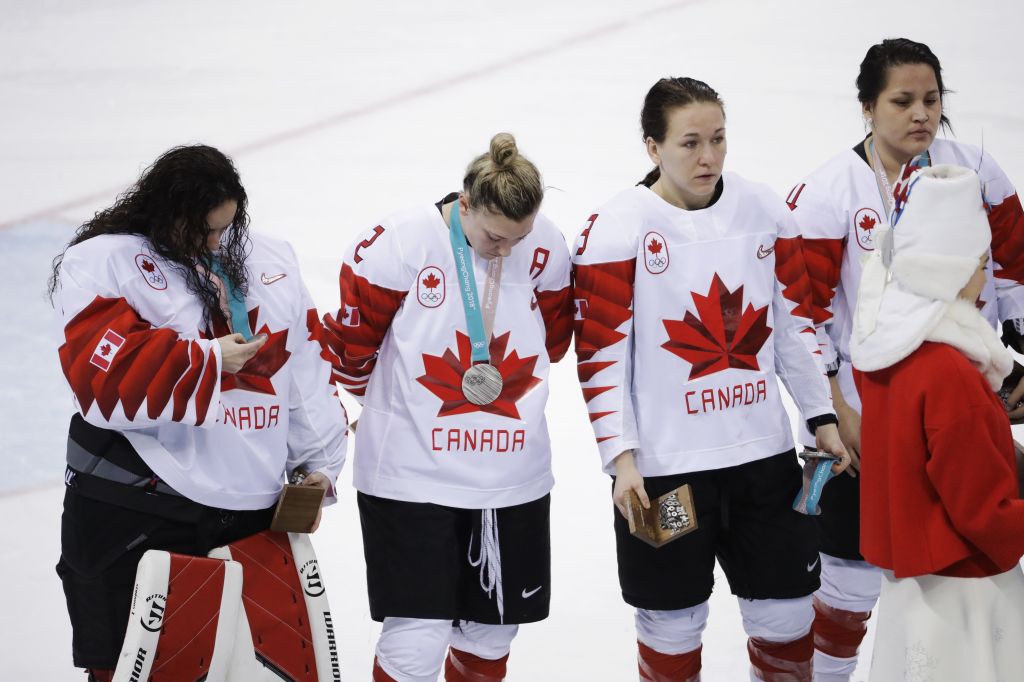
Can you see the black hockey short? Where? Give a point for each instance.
(839, 522)
(101, 545)
(745, 518)
(418, 561)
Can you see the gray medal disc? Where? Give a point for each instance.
(482, 384)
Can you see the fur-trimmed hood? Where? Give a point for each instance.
(909, 286)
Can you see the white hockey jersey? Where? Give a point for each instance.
(683, 321)
(400, 336)
(139, 359)
(838, 208)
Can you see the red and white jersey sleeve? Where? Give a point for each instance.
(798, 357)
(824, 236)
(401, 342)
(315, 441)
(125, 371)
(373, 288)
(604, 268)
(684, 321)
(139, 359)
(552, 291)
(1007, 222)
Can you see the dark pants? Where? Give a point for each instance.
(101, 545)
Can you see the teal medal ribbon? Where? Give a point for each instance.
(235, 300)
(817, 472)
(481, 382)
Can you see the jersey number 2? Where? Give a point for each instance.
(366, 243)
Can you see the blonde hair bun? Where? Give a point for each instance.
(503, 180)
(503, 150)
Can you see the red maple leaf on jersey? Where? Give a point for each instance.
(148, 266)
(105, 349)
(443, 377)
(256, 374)
(867, 223)
(723, 336)
(654, 247)
(431, 281)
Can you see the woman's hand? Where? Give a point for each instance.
(235, 351)
(627, 478)
(317, 479)
(827, 439)
(849, 426)
(1015, 398)
(849, 435)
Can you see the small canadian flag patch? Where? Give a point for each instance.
(581, 308)
(351, 317)
(106, 350)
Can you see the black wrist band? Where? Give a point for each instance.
(814, 422)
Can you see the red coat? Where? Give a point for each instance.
(938, 473)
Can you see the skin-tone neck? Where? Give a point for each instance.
(679, 197)
(892, 160)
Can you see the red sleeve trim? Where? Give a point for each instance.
(1007, 222)
(791, 271)
(604, 294)
(556, 307)
(357, 332)
(823, 258)
(112, 355)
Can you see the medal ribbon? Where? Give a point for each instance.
(894, 197)
(816, 474)
(479, 313)
(232, 298)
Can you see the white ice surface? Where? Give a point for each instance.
(338, 113)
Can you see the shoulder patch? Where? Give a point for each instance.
(864, 222)
(151, 271)
(430, 287)
(655, 253)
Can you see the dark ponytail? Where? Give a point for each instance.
(874, 70)
(666, 95)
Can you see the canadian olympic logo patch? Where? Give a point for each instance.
(864, 222)
(151, 271)
(655, 253)
(430, 287)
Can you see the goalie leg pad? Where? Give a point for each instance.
(183, 619)
(287, 626)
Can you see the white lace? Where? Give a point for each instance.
(489, 559)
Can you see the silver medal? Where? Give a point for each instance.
(482, 384)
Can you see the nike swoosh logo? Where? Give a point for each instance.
(763, 252)
(810, 566)
(272, 278)
(527, 595)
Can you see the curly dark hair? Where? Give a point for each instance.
(169, 205)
